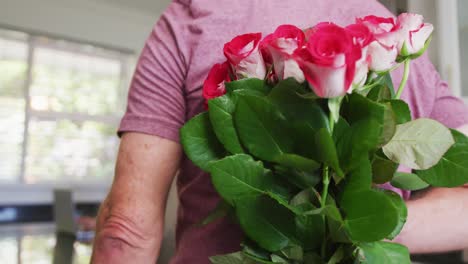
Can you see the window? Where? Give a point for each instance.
(38, 247)
(60, 104)
(463, 27)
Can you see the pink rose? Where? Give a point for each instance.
(278, 48)
(244, 56)
(329, 60)
(363, 37)
(383, 51)
(413, 33)
(214, 84)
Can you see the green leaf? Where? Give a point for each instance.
(249, 84)
(261, 128)
(401, 110)
(359, 179)
(419, 144)
(297, 162)
(399, 203)
(387, 80)
(299, 178)
(221, 111)
(221, 210)
(312, 258)
(260, 222)
(370, 215)
(389, 127)
(233, 258)
(337, 256)
(293, 252)
(408, 181)
(381, 92)
(333, 219)
(341, 128)
(304, 116)
(383, 169)
(358, 107)
(310, 228)
(335, 222)
(309, 95)
(306, 196)
(278, 259)
(200, 143)
(239, 176)
(295, 108)
(452, 169)
(384, 253)
(325, 150)
(355, 144)
(361, 109)
(249, 248)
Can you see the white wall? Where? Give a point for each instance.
(93, 21)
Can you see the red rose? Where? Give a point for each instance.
(214, 84)
(278, 48)
(329, 60)
(243, 54)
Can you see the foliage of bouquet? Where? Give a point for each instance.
(302, 129)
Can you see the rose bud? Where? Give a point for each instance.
(329, 60)
(413, 34)
(278, 48)
(243, 54)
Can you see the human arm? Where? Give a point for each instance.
(131, 219)
(437, 219)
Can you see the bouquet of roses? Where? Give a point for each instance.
(302, 128)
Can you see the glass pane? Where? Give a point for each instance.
(82, 253)
(463, 20)
(37, 249)
(13, 66)
(68, 151)
(70, 78)
(9, 250)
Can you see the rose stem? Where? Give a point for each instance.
(405, 78)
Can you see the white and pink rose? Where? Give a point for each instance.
(383, 50)
(244, 56)
(278, 49)
(413, 33)
(363, 37)
(329, 60)
(332, 59)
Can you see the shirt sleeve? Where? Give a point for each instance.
(429, 96)
(156, 103)
(447, 108)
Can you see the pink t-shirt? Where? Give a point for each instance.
(184, 44)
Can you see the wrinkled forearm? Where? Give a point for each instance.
(119, 239)
(131, 219)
